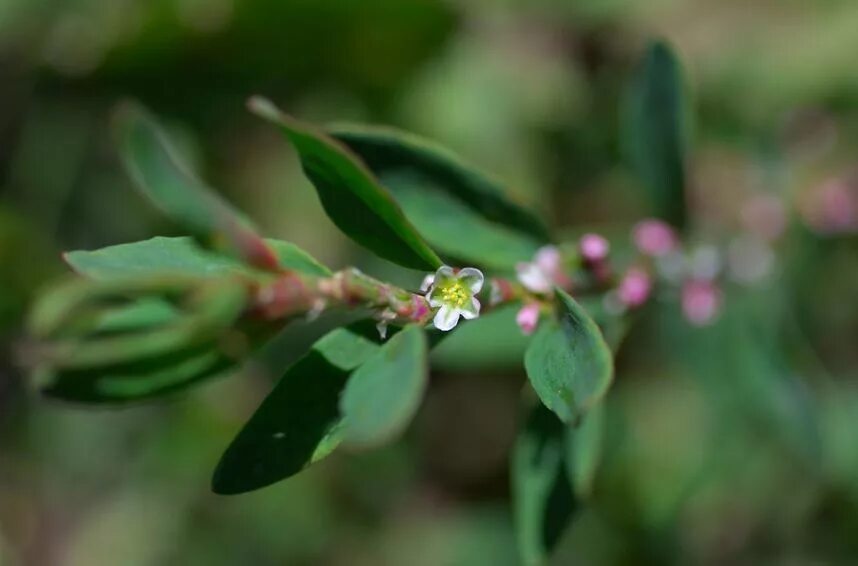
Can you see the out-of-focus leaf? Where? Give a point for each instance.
(383, 394)
(568, 362)
(73, 307)
(656, 132)
(161, 255)
(155, 377)
(542, 497)
(350, 194)
(131, 377)
(584, 450)
(130, 383)
(123, 372)
(298, 423)
(461, 211)
(752, 374)
(161, 176)
(120, 341)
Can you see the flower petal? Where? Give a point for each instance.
(548, 260)
(472, 310)
(444, 276)
(446, 318)
(473, 278)
(434, 301)
(533, 278)
(426, 284)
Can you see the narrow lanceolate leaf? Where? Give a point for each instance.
(158, 172)
(298, 422)
(568, 362)
(351, 195)
(542, 497)
(656, 132)
(181, 256)
(383, 395)
(460, 210)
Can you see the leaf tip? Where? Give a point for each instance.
(263, 108)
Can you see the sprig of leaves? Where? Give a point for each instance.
(156, 316)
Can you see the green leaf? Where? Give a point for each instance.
(656, 132)
(132, 383)
(460, 210)
(383, 395)
(150, 321)
(298, 422)
(457, 231)
(120, 340)
(150, 351)
(351, 195)
(542, 498)
(181, 256)
(161, 176)
(584, 450)
(568, 362)
(249, 343)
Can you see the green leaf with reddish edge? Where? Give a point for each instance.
(162, 255)
(351, 195)
(160, 175)
(568, 362)
(656, 128)
(383, 394)
(543, 500)
(389, 151)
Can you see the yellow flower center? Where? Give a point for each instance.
(455, 294)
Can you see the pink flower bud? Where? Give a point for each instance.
(654, 238)
(634, 287)
(527, 318)
(701, 302)
(594, 248)
(420, 308)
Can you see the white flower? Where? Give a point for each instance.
(454, 295)
(544, 272)
(426, 284)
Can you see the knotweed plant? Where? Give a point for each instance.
(144, 319)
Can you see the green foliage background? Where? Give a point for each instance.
(732, 444)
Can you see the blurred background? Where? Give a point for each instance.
(736, 443)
